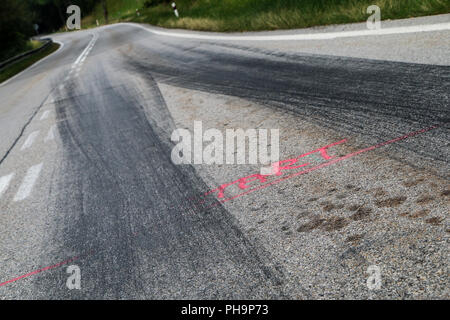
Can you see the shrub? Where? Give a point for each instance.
(153, 3)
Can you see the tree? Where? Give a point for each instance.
(51, 14)
(15, 27)
(105, 10)
(18, 16)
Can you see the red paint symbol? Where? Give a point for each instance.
(280, 168)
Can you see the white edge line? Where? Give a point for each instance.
(34, 64)
(311, 36)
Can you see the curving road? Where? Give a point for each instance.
(86, 176)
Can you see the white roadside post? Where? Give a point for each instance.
(36, 28)
(174, 6)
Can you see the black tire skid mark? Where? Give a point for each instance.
(116, 183)
(376, 99)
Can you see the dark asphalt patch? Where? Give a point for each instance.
(115, 192)
(376, 100)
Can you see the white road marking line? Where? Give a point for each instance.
(80, 57)
(50, 134)
(28, 182)
(77, 65)
(305, 36)
(45, 115)
(4, 182)
(85, 51)
(30, 140)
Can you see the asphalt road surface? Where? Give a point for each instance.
(86, 176)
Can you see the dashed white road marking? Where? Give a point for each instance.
(4, 182)
(45, 115)
(50, 134)
(30, 140)
(87, 49)
(76, 66)
(28, 182)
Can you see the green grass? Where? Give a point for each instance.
(22, 64)
(34, 44)
(24, 47)
(250, 15)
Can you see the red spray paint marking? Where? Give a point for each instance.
(323, 154)
(32, 273)
(39, 271)
(277, 169)
(325, 164)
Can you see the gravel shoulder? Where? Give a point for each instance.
(328, 226)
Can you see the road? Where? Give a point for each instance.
(86, 176)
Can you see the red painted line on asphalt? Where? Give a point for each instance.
(32, 273)
(39, 271)
(325, 164)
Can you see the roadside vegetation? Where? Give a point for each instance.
(15, 68)
(22, 19)
(14, 28)
(18, 19)
(252, 15)
(33, 44)
(24, 47)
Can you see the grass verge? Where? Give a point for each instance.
(253, 15)
(7, 52)
(24, 63)
(34, 44)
